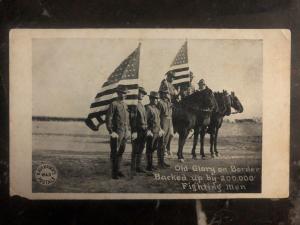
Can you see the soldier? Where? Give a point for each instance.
(139, 130)
(202, 86)
(165, 108)
(166, 84)
(154, 133)
(173, 96)
(205, 89)
(117, 123)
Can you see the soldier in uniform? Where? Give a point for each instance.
(202, 86)
(165, 108)
(166, 84)
(173, 96)
(154, 133)
(139, 131)
(117, 123)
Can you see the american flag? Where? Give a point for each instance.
(180, 67)
(126, 74)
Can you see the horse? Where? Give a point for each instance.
(192, 112)
(224, 104)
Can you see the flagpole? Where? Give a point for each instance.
(139, 48)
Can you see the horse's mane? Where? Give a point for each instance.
(197, 100)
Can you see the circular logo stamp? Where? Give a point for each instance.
(46, 174)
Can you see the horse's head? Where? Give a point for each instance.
(224, 103)
(235, 103)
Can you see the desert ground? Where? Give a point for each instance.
(81, 157)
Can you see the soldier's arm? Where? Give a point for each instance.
(109, 117)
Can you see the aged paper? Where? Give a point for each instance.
(64, 82)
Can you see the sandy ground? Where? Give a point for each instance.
(81, 158)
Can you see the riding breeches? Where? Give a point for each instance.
(153, 143)
(118, 145)
(138, 144)
(167, 127)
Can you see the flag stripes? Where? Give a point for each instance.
(126, 75)
(180, 67)
(130, 88)
(181, 78)
(129, 84)
(102, 109)
(109, 100)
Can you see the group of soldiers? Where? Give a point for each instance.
(148, 126)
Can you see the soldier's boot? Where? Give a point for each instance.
(149, 161)
(114, 169)
(120, 174)
(133, 164)
(153, 167)
(139, 168)
(160, 160)
(165, 165)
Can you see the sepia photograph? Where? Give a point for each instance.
(147, 115)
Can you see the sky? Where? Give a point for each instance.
(68, 73)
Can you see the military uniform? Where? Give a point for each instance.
(169, 87)
(165, 109)
(154, 142)
(117, 120)
(138, 125)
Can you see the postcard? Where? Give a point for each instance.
(149, 113)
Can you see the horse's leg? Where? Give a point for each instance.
(179, 152)
(202, 135)
(212, 141)
(196, 134)
(181, 141)
(215, 142)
